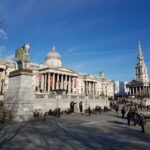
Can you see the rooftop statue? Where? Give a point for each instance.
(22, 57)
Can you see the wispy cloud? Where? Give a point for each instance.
(72, 49)
(3, 34)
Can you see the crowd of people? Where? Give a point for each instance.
(38, 114)
(130, 111)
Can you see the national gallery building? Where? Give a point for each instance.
(53, 79)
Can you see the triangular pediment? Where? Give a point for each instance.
(67, 70)
(134, 83)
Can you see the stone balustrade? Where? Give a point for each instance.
(45, 102)
(47, 96)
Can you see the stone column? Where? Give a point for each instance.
(135, 91)
(48, 82)
(57, 82)
(53, 88)
(85, 87)
(87, 83)
(144, 91)
(72, 81)
(69, 85)
(61, 82)
(94, 88)
(45, 81)
(89, 87)
(42, 82)
(139, 91)
(65, 82)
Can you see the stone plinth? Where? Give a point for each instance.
(19, 96)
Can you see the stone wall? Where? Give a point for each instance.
(64, 103)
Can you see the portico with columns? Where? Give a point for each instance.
(141, 85)
(58, 79)
(90, 86)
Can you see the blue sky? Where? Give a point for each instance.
(90, 35)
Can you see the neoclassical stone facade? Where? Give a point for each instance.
(52, 78)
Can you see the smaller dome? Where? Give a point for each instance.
(101, 74)
(53, 54)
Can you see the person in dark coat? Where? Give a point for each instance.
(117, 110)
(142, 122)
(129, 117)
(123, 112)
(71, 107)
(89, 110)
(80, 106)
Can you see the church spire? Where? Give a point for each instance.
(140, 54)
(140, 49)
(141, 69)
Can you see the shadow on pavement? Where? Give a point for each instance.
(54, 135)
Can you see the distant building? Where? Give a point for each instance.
(51, 77)
(120, 88)
(141, 85)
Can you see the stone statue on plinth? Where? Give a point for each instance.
(22, 57)
(19, 97)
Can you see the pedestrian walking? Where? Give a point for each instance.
(117, 110)
(89, 110)
(123, 112)
(129, 117)
(80, 106)
(142, 123)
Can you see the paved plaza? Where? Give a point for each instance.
(75, 132)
